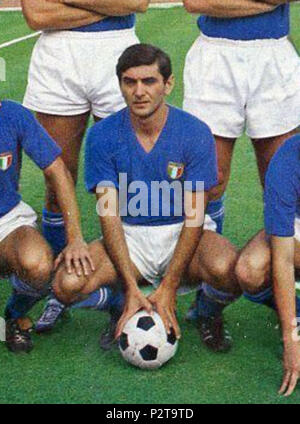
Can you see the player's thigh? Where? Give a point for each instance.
(68, 132)
(265, 148)
(253, 268)
(214, 261)
(26, 253)
(105, 273)
(225, 148)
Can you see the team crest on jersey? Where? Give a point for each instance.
(175, 170)
(5, 160)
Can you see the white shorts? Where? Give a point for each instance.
(151, 248)
(236, 85)
(20, 215)
(73, 72)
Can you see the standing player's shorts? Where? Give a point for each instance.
(20, 215)
(75, 72)
(236, 85)
(151, 248)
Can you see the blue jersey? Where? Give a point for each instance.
(282, 189)
(20, 130)
(111, 23)
(274, 24)
(183, 154)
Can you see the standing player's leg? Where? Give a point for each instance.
(214, 262)
(215, 208)
(27, 259)
(264, 150)
(68, 132)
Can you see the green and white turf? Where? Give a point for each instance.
(67, 365)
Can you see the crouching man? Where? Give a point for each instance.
(151, 166)
(25, 256)
(269, 261)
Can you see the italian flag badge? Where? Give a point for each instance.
(5, 161)
(175, 170)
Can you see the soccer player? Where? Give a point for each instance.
(279, 246)
(242, 73)
(144, 164)
(71, 76)
(25, 256)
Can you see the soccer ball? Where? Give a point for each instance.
(145, 343)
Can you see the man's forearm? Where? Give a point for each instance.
(229, 8)
(284, 288)
(107, 7)
(194, 207)
(46, 15)
(61, 182)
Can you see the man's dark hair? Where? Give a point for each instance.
(144, 54)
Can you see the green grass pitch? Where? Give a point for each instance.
(67, 366)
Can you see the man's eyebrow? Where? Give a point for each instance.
(125, 78)
(129, 79)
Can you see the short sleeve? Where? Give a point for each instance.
(100, 169)
(35, 141)
(280, 199)
(201, 164)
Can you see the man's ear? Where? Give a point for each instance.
(169, 85)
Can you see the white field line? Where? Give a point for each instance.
(35, 34)
(10, 9)
(18, 40)
(152, 5)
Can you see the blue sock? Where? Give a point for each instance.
(216, 211)
(266, 298)
(105, 298)
(22, 299)
(211, 302)
(53, 229)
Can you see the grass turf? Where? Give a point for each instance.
(67, 366)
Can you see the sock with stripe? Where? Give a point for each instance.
(104, 298)
(211, 302)
(22, 299)
(266, 297)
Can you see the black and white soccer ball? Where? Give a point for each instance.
(145, 343)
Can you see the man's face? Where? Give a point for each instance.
(144, 89)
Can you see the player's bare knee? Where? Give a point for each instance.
(66, 286)
(222, 267)
(251, 272)
(37, 268)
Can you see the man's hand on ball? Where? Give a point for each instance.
(77, 258)
(135, 300)
(164, 302)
